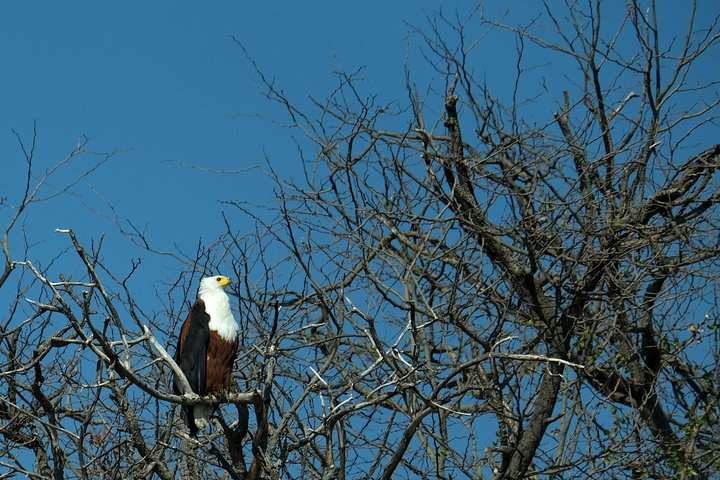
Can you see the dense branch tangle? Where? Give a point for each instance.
(91, 416)
(444, 260)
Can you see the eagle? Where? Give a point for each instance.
(206, 348)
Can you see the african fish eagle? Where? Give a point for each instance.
(206, 349)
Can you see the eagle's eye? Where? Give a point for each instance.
(218, 279)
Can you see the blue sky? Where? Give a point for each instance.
(164, 84)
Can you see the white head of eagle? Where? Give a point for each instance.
(206, 348)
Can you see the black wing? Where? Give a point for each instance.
(191, 355)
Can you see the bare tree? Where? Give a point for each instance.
(85, 381)
(460, 286)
